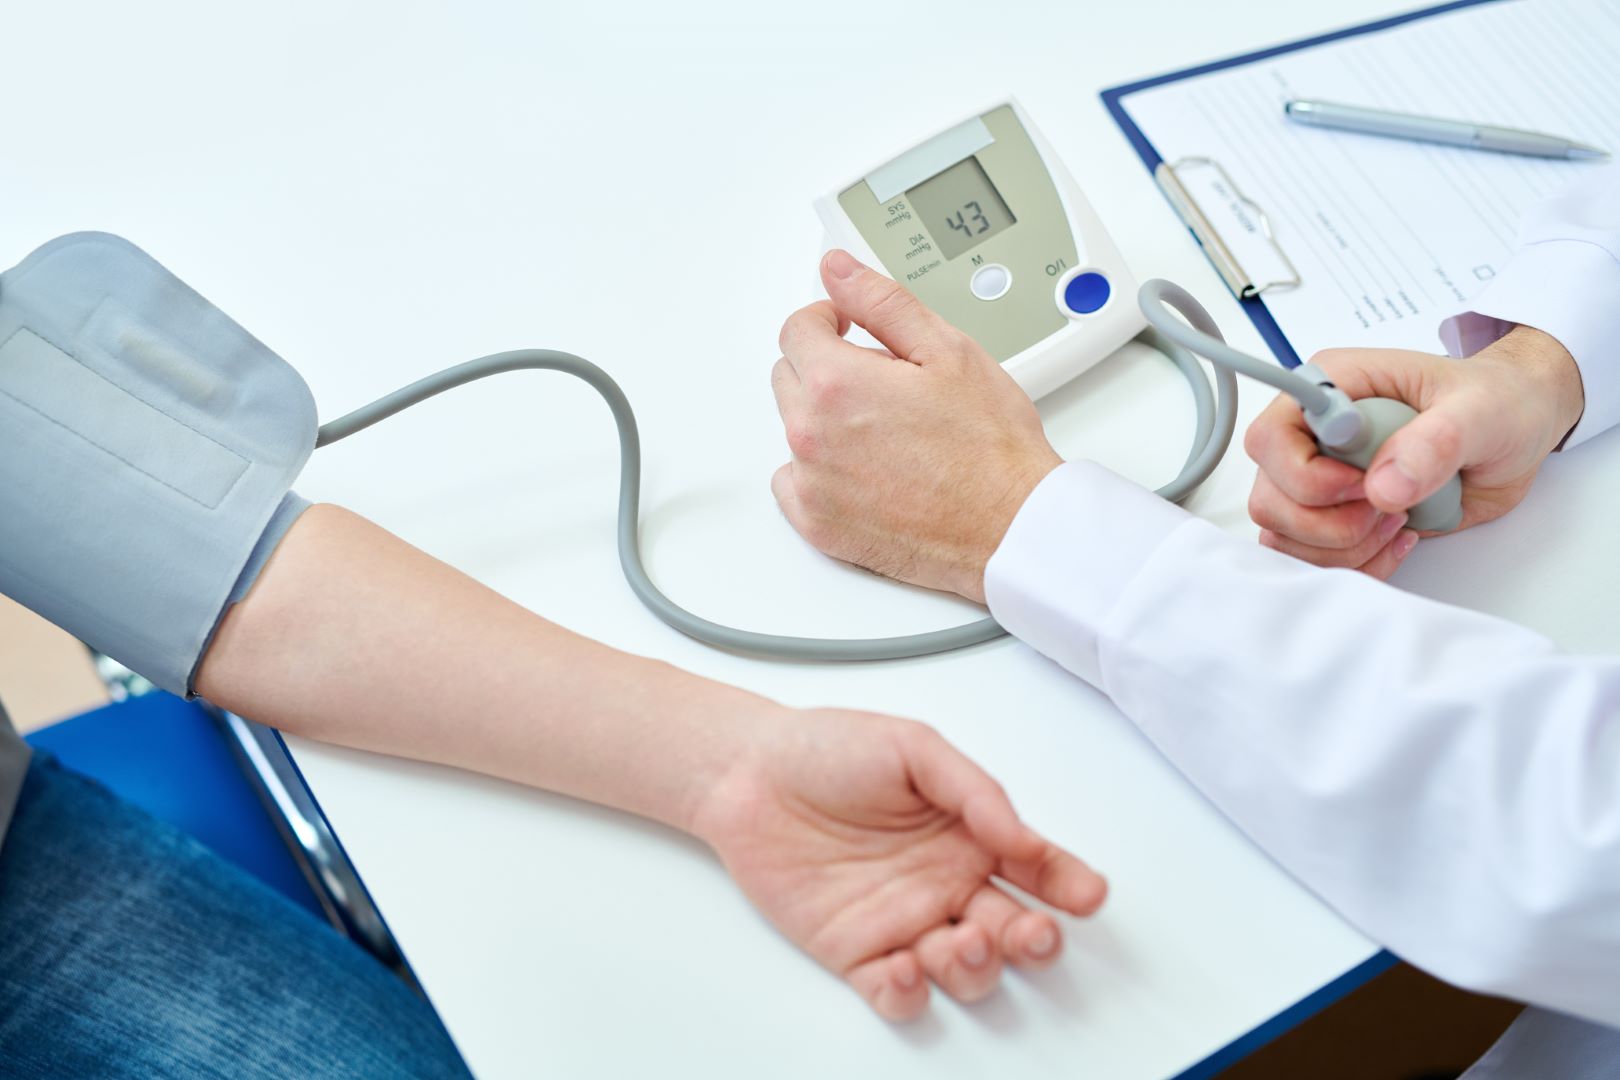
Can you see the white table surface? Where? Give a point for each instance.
(381, 189)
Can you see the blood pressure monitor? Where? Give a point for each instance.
(984, 224)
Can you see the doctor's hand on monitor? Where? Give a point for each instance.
(1494, 417)
(911, 460)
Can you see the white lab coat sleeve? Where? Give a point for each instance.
(1448, 781)
(1564, 279)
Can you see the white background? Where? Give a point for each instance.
(381, 189)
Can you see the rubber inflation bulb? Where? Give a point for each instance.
(1440, 512)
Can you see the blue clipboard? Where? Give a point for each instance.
(1114, 100)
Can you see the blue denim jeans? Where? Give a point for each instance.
(129, 950)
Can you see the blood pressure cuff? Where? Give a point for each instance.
(147, 444)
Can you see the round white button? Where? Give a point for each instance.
(991, 282)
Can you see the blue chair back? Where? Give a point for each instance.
(170, 757)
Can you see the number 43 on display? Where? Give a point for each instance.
(967, 217)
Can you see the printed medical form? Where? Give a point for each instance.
(1390, 236)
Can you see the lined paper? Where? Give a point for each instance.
(1390, 237)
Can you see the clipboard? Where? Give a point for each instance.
(1249, 294)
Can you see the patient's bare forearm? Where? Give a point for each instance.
(353, 636)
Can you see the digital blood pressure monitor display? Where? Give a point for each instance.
(985, 226)
(961, 207)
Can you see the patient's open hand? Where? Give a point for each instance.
(871, 843)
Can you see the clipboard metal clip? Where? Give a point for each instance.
(1220, 255)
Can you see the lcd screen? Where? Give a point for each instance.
(960, 207)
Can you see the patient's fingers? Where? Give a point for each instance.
(951, 781)
(1058, 878)
(1030, 939)
(893, 985)
(962, 959)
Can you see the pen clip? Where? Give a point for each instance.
(1209, 238)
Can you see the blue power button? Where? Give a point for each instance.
(1086, 293)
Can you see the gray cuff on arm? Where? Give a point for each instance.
(292, 505)
(150, 444)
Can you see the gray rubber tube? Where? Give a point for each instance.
(1204, 338)
(1214, 426)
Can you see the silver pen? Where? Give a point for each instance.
(1431, 129)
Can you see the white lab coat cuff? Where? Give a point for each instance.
(1070, 554)
(1569, 289)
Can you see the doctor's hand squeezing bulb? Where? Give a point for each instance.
(1493, 419)
(1379, 418)
(1345, 430)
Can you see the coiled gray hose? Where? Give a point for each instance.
(1216, 420)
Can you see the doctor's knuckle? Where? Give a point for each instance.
(892, 304)
(803, 440)
(949, 346)
(781, 374)
(1258, 438)
(790, 332)
(1444, 436)
(1261, 510)
(825, 387)
(797, 331)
